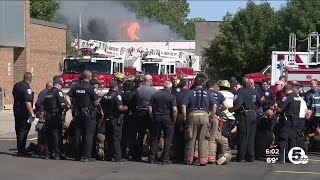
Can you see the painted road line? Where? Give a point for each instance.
(298, 172)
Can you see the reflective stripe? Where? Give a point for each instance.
(315, 105)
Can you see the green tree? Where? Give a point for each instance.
(70, 50)
(44, 9)
(300, 17)
(245, 41)
(189, 29)
(172, 13)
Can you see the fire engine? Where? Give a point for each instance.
(299, 66)
(163, 64)
(102, 58)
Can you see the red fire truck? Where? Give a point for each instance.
(101, 58)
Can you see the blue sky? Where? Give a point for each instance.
(213, 10)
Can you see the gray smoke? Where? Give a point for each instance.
(105, 18)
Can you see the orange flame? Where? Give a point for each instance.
(131, 29)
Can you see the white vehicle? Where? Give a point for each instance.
(300, 66)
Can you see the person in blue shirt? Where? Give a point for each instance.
(313, 99)
(196, 108)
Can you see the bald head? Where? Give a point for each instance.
(252, 84)
(147, 79)
(49, 85)
(167, 85)
(86, 75)
(245, 82)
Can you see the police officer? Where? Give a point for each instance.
(127, 97)
(290, 109)
(85, 99)
(196, 105)
(245, 102)
(99, 114)
(53, 105)
(22, 110)
(143, 120)
(267, 96)
(163, 110)
(178, 138)
(214, 132)
(40, 115)
(113, 108)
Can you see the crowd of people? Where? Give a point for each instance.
(199, 124)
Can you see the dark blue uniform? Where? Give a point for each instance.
(178, 137)
(219, 99)
(249, 99)
(41, 97)
(162, 103)
(198, 103)
(290, 107)
(83, 97)
(269, 98)
(22, 93)
(52, 105)
(110, 103)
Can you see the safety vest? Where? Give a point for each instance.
(229, 99)
(315, 99)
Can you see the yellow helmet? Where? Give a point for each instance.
(224, 83)
(120, 76)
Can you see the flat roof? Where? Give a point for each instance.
(46, 23)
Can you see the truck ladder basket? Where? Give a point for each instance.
(313, 51)
(292, 48)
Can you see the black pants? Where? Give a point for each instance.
(84, 126)
(113, 138)
(126, 141)
(53, 134)
(287, 138)
(178, 138)
(246, 134)
(161, 123)
(22, 129)
(143, 123)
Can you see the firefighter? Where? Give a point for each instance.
(120, 78)
(290, 110)
(244, 103)
(85, 99)
(214, 132)
(196, 106)
(178, 138)
(313, 100)
(54, 105)
(226, 123)
(113, 109)
(163, 111)
(22, 110)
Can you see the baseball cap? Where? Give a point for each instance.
(234, 84)
(94, 81)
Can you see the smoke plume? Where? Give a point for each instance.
(101, 20)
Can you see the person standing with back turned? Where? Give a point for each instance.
(22, 110)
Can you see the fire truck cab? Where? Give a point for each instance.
(103, 61)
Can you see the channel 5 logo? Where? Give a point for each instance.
(297, 155)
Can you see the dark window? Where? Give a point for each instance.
(150, 68)
(76, 66)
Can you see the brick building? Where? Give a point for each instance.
(44, 46)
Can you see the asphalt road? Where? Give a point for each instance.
(12, 167)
